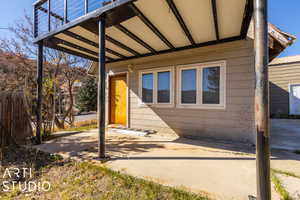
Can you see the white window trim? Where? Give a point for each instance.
(199, 67)
(172, 87)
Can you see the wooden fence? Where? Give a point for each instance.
(15, 123)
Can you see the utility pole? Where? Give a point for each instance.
(262, 100)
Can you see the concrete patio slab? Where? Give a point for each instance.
(285, 134)
(223, 170)
(291, 184)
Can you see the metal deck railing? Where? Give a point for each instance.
(51, 14)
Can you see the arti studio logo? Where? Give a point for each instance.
(24, 186)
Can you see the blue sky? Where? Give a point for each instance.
(283, 14)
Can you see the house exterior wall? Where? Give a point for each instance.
(282, 73)
(235, 122)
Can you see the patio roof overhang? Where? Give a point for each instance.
(138, 28)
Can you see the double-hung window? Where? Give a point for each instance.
(156, 86)
(202, 86)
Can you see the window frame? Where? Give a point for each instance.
(199, 83)
(155, 71)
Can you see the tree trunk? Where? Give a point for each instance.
(54, 106)
(58, 123)
(70, 110)
(61, 123)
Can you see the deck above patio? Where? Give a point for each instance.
(137, 28)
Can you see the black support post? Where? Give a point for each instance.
(35, 22)
(49, 15)
(65, 11)
(262, 100)
(101, 89)
(39, 92)
(86, 6)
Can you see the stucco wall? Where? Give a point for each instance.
(236, 122)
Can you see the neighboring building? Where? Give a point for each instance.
(284, 76)
(176, 67)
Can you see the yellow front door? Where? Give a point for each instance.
(118, 101)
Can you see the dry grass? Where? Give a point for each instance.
(279, 187)
(286, 173)
(88, 181)
(80, 126)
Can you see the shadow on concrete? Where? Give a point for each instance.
(85, 146)
(64, 134)
(284, 155)
(199, 158)
(181, 158)
(285, 134)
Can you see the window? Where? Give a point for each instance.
(163, 87)
(188, 88)
(211, 85)
(156, 87)
(202, 85)
(147, 83)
